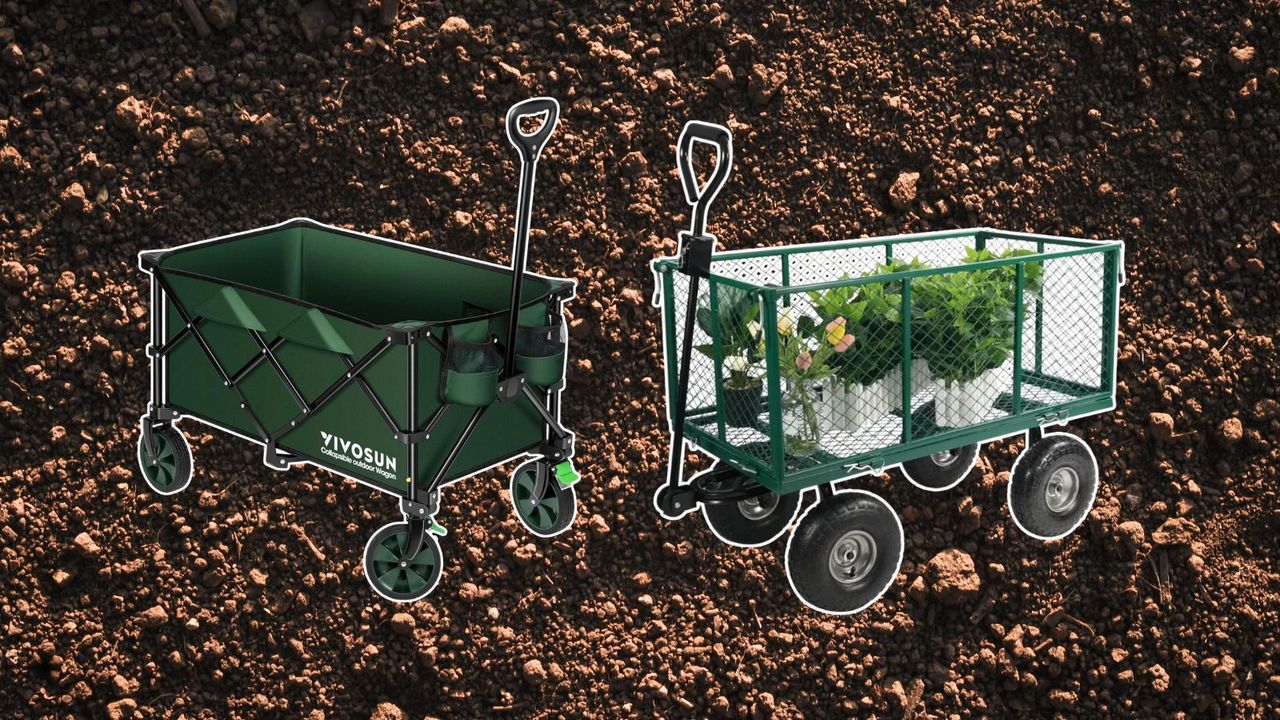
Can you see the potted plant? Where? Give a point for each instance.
(966, 333)
(738, 339)
(804, 349)
(867, 381)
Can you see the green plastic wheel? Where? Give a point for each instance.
(166, 468)
(546, 513)
(391, 575)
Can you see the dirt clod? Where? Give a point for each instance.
(1160, 425)
(952, 577)
(902, 193)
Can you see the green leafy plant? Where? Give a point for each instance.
(870, 316)
(738, 335)
(966, 318)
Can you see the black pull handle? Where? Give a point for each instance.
(531, 144)
(700, 197)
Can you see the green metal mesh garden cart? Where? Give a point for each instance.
(800, 366)
(397, 366)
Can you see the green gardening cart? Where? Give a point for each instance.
(400, 367)
(798, 367)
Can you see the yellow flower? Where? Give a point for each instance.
(835, 330)
(786, 322)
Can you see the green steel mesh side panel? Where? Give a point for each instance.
(843, 388)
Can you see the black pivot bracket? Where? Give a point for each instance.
(419, 516)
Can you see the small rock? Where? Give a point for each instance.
(1160, 426)
(220, 14)
(12, 54)
(633, 296)
(1225, 670)
(15, 274)
(634, 164)
(74, 200)
(665, 77)
(455, 29)
(903, 191)
(1240, 58)
(1159, 678)
(534, 673)
(122, 709)
(195, 140)
(599, 528)
(86, 546)
(154, 616)
(388, 711)
(1231, 431)
(764, 83)
(1132, 534)
(1190, 64)
(403, 623)
(462, 218)
(1264, 409)
(313, 18)
(257, 577)
(61, 577)
(722, 78)
(511, 72)
(952, 576)
(1175, 531)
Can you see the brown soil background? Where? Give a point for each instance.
(122, 129)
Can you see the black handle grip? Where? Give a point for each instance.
(530, 145)
(717, 135)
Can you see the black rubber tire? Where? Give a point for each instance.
(548, 515)
(1061, 459)
(401, 584)
(754, 522)
(928, 473)
(170, 473)
(813, 551)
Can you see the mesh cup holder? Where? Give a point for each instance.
(471, 373)
(540, 352)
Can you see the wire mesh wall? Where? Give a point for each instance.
(815, 356)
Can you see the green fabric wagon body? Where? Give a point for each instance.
(322, 299)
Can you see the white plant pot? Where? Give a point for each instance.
(921, 378)
(958, 404)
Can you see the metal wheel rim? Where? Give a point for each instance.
(944, 458)
(758, 507)
(541, 513)
(162, 467)
(398, 576)
(852, 558)
(1062, 490)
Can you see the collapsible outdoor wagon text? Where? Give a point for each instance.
(400, 367)
(818, 363)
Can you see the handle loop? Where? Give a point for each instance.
(530, 145)
(701, 197)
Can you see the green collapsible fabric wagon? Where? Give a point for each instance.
(800, 366)
(400, 367)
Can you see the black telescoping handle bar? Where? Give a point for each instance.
(530, 147)
(696, 247)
